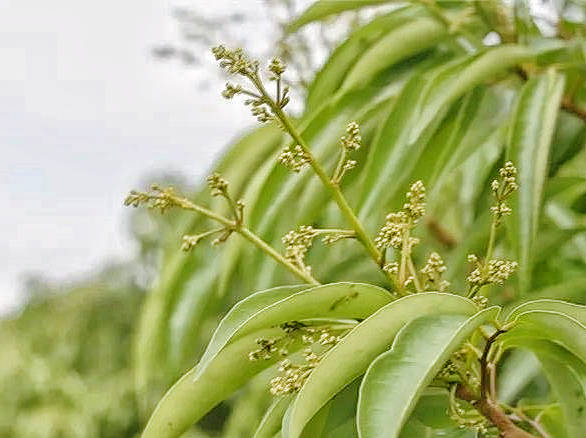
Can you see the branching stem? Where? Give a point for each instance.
(333, 188)
(239, 228)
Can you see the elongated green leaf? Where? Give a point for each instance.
(196, 393)
(575, 311)
(326, 8)
(416, 114)
(361, 346)
(395, 380)
(328, 79)
(283, 304)
(567, 377)
(401, 43)
(515, 373)
(271, 422)
(547, 325)
(529, 145)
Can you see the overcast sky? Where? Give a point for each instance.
(85, 114)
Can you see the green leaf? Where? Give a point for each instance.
(271, 422)
(515, 373)
(277, 306)
(547, 325)
(529, 143)
(192, 396)
(350, 358)
(396, 379)
(432, 409)
(416, 114)
(567, 377)
(326, 8)
(399, 44)
(575, 311)
(330, 77)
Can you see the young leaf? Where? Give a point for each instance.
(350, 358)
(395, 380)
(575, 311)
(548, 325)
(529, 143)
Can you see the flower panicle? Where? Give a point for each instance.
(262, 105)
(294, 158)
(432, 273)
(502, 188)
(349, 143)
(158, 198)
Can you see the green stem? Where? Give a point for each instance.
(248, 235)
(334, 190)
(413, 273)
(262, 245)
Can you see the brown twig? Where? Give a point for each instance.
(486, 403)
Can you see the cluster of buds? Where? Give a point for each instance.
(293, 376)
(159, 198)
(297, 243)
(334, 236)
(263, 107)
(276, 68)
(495, 271)
(295, 158)
(398, 225)
(231, 90)
(321, 336)
(391, 268)
(350, 142)
(415, 205)
(502, 188)
(217, 185)
(235, 61)
(259, 109)
(432, 273)
(267, 349)
(391, 234)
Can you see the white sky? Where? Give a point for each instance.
(85, 114)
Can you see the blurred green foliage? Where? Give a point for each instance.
(65, 361)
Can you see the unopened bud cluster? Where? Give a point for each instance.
(160, 199)
(268, 348)
(293, 376)
(502, 188)
(297, 243)
(397, 225)
(350, 142)
(295, 158)
(432, 273)
(276, 67)
(495, 271)
(235, 61)
(217, 185)
(262, 106)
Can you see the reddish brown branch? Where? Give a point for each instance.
(486, 403)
